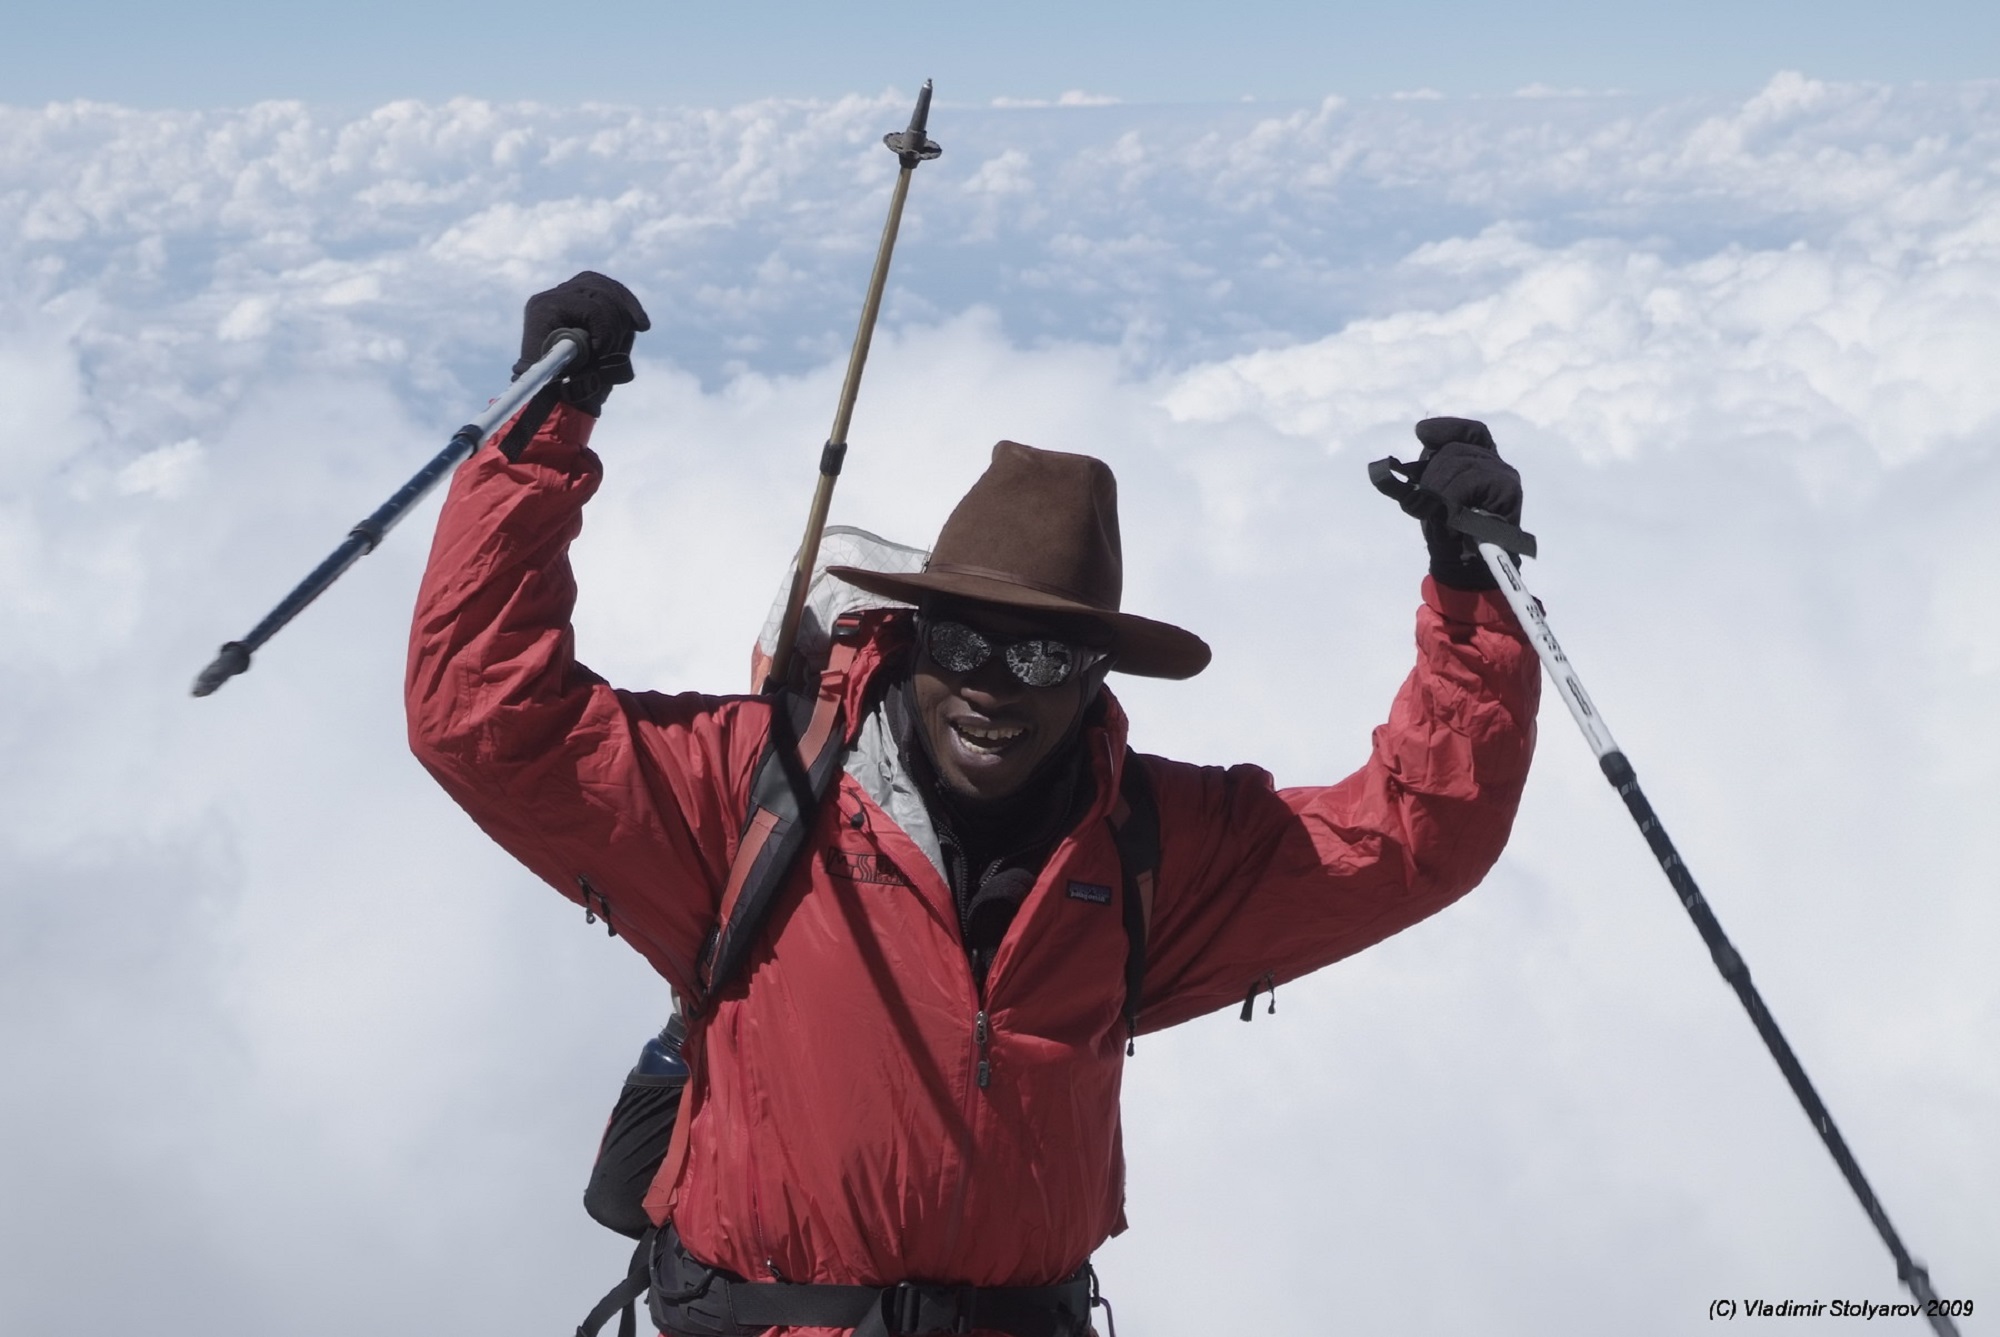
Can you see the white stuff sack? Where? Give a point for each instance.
(828, 598)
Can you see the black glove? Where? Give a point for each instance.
(1461, 467)
(602, 308)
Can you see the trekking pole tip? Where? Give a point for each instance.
(229, 661)
(913, 145)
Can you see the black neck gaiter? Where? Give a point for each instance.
(994, 851)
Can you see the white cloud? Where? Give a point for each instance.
(248, 319)
(253, 965)
(1074, 97)
(1006, 174)
(164, 473)
(1616, 352)
(1540, 90)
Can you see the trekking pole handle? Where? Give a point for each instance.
(563, 347)
(1500, 543)
(1528, 610)
(1403, 484)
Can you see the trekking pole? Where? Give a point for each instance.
(911, 147)
(564, 346)
(1500, 543)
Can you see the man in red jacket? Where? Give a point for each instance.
(903, 1111)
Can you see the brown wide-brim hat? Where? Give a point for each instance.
(1039, 532)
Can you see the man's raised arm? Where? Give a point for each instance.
(611, 797)
(1258, 886)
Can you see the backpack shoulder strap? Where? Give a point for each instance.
(800, 764)
(1135, 827)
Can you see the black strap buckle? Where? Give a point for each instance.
(914, 1308)
(1097, 1300)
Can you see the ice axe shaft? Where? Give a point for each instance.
(911, 148)
(1619, 772)
(234, 657)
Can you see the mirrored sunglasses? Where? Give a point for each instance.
(1038, 662)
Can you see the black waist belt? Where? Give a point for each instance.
(691, 1299)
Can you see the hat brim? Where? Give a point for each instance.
(1141, 646)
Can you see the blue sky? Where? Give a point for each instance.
(1736, 325)
(367, 51)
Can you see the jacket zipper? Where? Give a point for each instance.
(982, 1074)
(756, 1198)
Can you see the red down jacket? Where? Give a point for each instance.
(836, 1128)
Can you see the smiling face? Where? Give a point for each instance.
(987, 731)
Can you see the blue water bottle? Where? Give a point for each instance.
(661, 1055)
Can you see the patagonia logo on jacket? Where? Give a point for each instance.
(863, 867)
(1094, 892)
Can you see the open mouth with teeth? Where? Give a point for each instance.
(985, 739)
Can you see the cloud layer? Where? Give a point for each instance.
(270, 1005)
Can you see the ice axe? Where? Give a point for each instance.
(563, 348)
(911, 147)
(1502, 544)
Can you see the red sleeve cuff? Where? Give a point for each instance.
(1482, 608)
(562, 441)
(571, 425)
